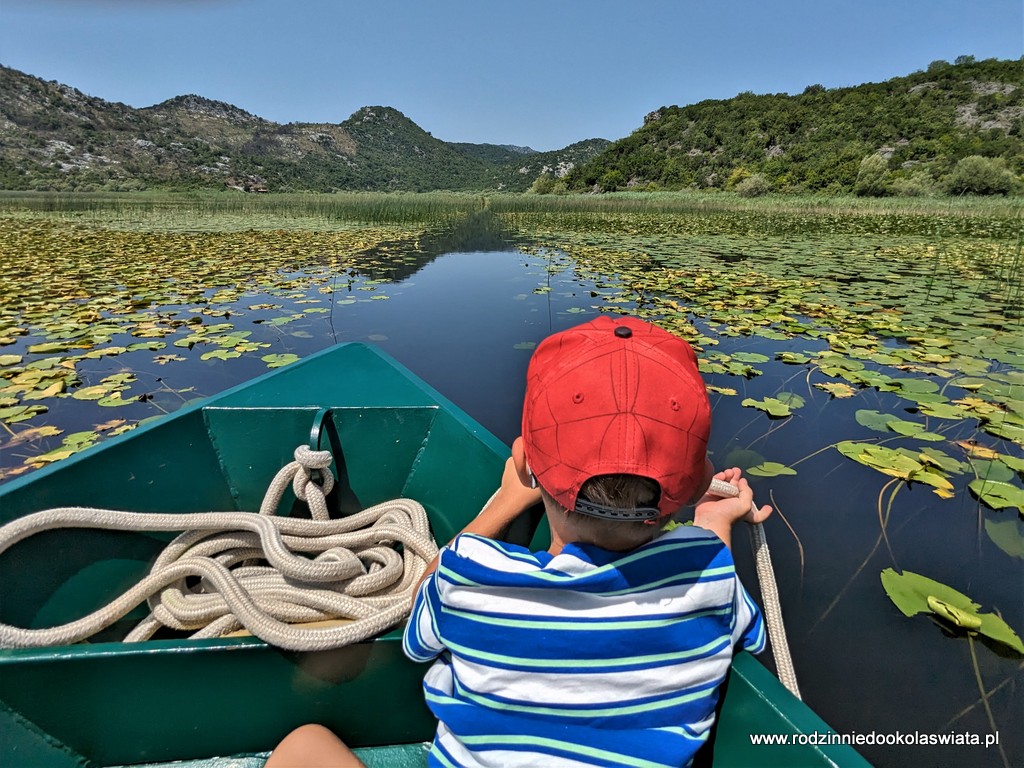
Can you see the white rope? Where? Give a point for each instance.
(356, 572)
(769, 594)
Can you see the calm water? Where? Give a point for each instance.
(466, 322)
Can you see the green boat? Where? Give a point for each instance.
(227, 701)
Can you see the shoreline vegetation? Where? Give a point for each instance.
(409, 207)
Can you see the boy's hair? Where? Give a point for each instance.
(625, 492)
(616, 396)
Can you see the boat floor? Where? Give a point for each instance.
(396, 756)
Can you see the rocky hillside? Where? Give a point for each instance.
(53, 136)
(917, 128)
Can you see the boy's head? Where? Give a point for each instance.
(617, 397)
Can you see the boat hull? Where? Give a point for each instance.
(107, 703)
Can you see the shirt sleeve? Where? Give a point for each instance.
(748, 631)
(421, 641)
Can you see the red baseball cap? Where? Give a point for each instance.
(616, 396)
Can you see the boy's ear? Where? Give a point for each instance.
(519, 459)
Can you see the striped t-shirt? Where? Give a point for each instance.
(589, 657)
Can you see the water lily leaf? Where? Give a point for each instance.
(744, 458)
(997, 494)
(879, 422)
(993, 469)
(837, 389)
(943, 411)
(33, 433)
(10, 359)
(1016, 463)
(943, 461)
(220, 354)
(913, 593)
(793, 358)
(53, 390)
(977, 449)
(750, 357)
(115, 400)
(109, 425)
(1008, 535)
(119, 379)
(1006, 430)
(279, 360)
(913, 429)
(720, 390)
(775, 409)
(770, 469)
(283, 320)
(152, 346)
(164, 359)
(17, 413)
(50, 346)
(939, 483)
(96, 354)
(793, 400)
(892, 462)
(909, 591)
(95, 392)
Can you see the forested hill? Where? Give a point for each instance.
(916, 128)
(54, 137)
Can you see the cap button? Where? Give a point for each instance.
(623, 332)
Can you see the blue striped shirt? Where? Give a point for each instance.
(589, 657)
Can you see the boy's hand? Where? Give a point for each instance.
(516, 491)
(719, 515)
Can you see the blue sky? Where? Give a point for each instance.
(540, 73)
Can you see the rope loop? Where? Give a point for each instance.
(258, 572)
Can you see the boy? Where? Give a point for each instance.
(610, 647)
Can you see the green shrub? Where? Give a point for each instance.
(754, 185)
(918, 184)
(543, 184)
(739, 174)
(977, 175)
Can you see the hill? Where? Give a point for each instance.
(54, 137)
(919, 126)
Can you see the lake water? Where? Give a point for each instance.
(466, 320)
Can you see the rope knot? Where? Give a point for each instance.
(303, 484)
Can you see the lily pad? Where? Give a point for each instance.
(776, 409)
(770, 469)
(1008, 535)
(998, 494)
(279, 360)
(837, 389)
(913, 593)
(879, 422)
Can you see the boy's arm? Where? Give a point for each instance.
(719, 515)
(512, 499)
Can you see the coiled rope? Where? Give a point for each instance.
(769, 594)
(356, 572)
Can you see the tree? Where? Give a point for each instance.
(612, 180)
(872, 177)
(977, 175)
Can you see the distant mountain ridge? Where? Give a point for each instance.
(53, 136)
(907, 135)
